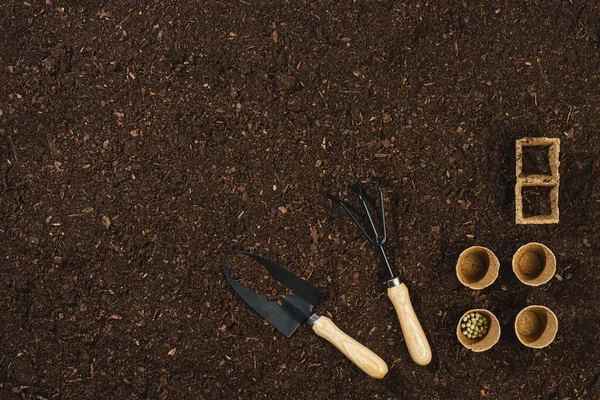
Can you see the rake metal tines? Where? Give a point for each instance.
(373, 237)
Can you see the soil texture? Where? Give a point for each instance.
(142, 141)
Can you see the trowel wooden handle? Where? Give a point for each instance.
(369, 362)
(417, 344)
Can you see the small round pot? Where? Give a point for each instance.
(477, 267)
(536, 326)
(486, 342)
(534, 264)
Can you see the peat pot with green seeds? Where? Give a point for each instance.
(478, 330)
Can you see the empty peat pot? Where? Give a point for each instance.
(534, 264)
(477, 267)
(536, 326)
(488, 340)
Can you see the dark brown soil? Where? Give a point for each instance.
(142, 141)
(536, 160)
(536, 200)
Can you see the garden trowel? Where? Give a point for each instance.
(297, 308)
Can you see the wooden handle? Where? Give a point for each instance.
(362, 357)
(417, 344)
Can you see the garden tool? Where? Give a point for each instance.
(295, 309)
(417, 344)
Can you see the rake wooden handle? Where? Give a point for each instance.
(417, 344)
(369, 362)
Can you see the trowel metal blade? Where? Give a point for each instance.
(297, 285)
(293, 311)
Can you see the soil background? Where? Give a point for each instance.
(142, 141)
